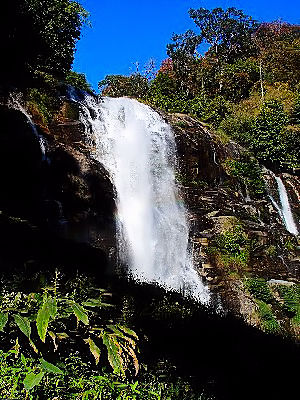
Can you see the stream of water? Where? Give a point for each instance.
(286, 208)
(137, 148)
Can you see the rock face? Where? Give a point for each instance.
(241, 246)
(56, 209)
(59, 209)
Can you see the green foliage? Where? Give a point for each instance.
(43, 104)
(39, 38)
(31, 380)
(295, 114)
(291, 301)
(259, 288)
(78, 81)
(53, 310)
(238, 78)
(24, 324)
(267, 132)
(135, 85)
(227, 31)
(232, 246)
(3, 320)
(48, 309)
(267, 135)
(248, 171)
(268, 321)
(22, 377)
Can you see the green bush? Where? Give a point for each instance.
(248, 171)
(291, 301)
(38, 38)
(267, 142)
(78, 81)
(22, 377)
(232, 246)
(268, 321)
(58, 315)
(259, 288)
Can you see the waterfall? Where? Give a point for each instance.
(15, 103)
(137, 148)
(285, 208)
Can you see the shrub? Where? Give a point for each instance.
(232, 246)
(268, 321)
(248, 171)
(78, 81)
(259, 288)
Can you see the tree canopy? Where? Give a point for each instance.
(38, 37)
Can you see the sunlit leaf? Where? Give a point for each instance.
(31, 380)
(94, 349)
(47, 310)
(62, 336)
(24, 324)
(96, 303)
(128, 331)
(80, 313)
(3, 320)
(114, 352)
(50, 367)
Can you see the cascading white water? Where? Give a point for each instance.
(137, 148)
(15, 103)
(285, 208)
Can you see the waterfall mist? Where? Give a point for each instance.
(137, 148)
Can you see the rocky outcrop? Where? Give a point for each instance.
(240, 242)
(58, 209)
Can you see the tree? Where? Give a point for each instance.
(268, 140)
(278, 46)
(228, 32)
(78, 81)
(38, 38)
(134, 85)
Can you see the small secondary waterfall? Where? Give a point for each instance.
(137, 148)
(285, 208)
(15, 103)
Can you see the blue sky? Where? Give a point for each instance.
(124, 32)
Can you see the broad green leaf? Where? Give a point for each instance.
(94, 349)
(52, 304)
(47, 310)
(80, 313)
(116, 330)
(24, 324)
(114, 352)
(3, 320)
(128, 331)
(50, 367)
(31, 380)
(96, 303)
(23, 359)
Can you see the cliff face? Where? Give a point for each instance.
(58, 209)
(241, 245)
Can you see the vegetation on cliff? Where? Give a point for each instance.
(245, 85)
